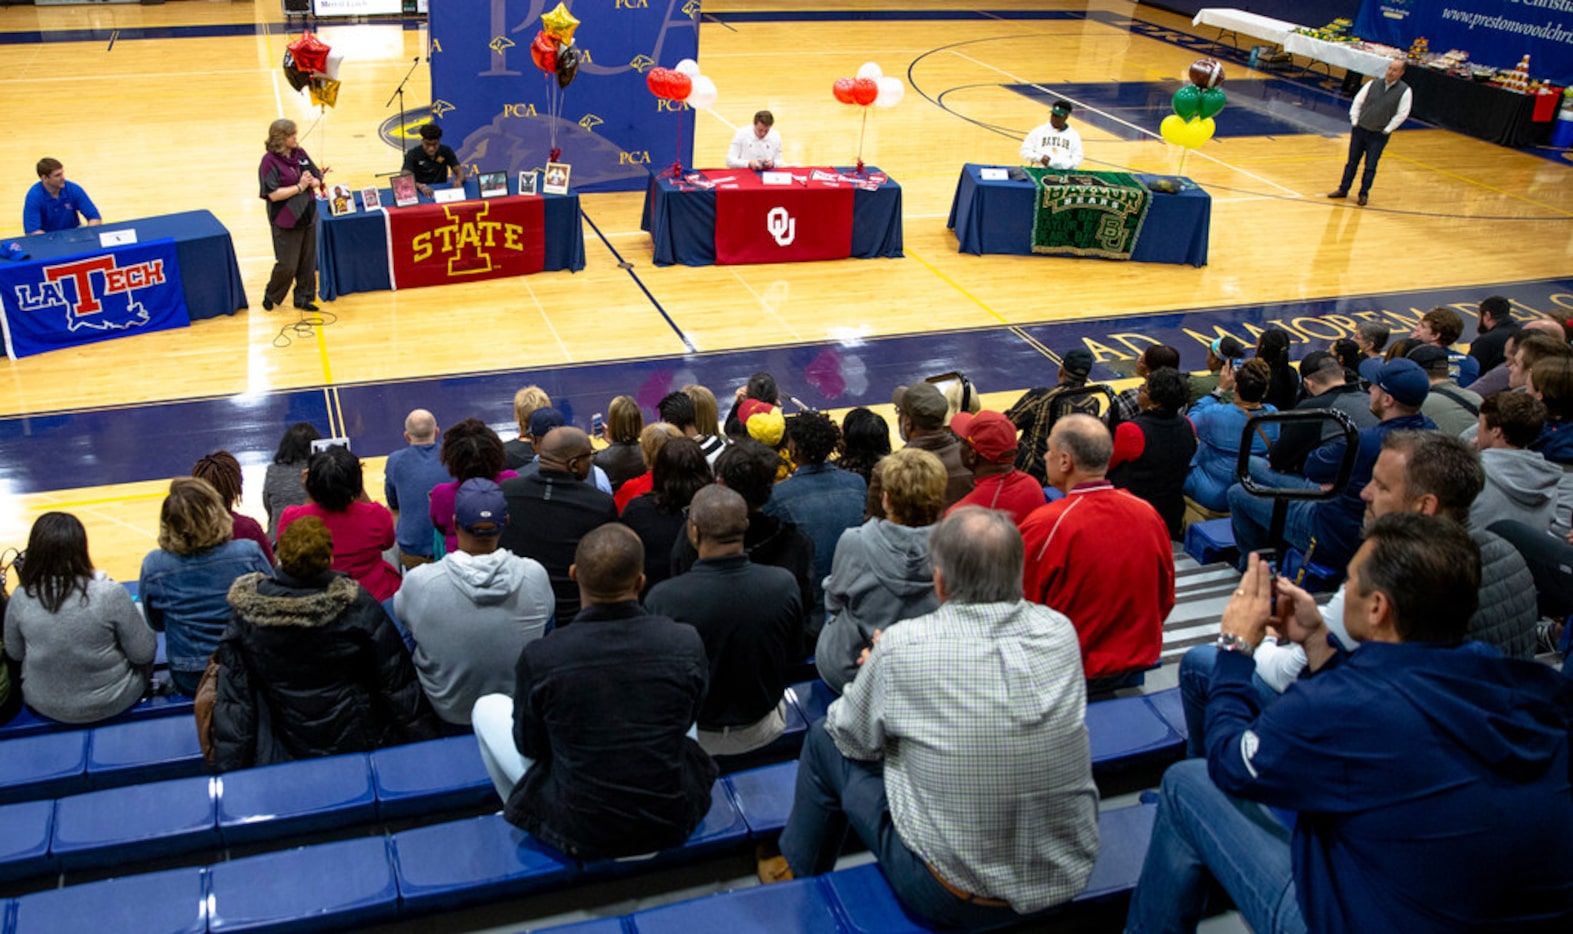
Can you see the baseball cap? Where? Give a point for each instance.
(480, 508)
(765, 424)
(1076, 363)
(748, 408)
(921, 402)
(1316, 361)
(991, 435)
(544, 420)
(1404, 380)
(1430, 358)
(1227, 348)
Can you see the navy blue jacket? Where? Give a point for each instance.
(1337, 522)
(1431, 785)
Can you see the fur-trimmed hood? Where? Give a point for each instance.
(265, 601)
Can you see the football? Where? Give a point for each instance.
(1206, 73)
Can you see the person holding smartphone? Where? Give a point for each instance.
(1225, 352)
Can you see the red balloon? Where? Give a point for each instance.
(678, 86)
(543, 52)
(864, 91)
(842, 89)
(655, 80)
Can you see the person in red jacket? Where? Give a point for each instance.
(1101, 555)
(988, 449)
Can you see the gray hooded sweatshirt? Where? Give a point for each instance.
(880, 576)
(471, 616)
(1520, 485)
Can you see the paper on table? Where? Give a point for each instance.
(776, 178)
(993, 175)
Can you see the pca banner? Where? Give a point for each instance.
(466, 241)
(64, 302)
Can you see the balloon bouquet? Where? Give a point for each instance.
(871, 86)
(685, 85)
(311, 63)
(554, 53)
(1195, 105)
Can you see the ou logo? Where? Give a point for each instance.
(782, 226)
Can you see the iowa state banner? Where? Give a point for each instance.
(466, 241)
(65, 302)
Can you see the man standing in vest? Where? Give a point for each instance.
(1378, 110)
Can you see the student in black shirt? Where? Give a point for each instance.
(431, 161)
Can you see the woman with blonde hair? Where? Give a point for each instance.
(621, 458)
(651, 440)
(185, 580)
(707, 421)
(86, 655)
(289, 183)
(519, 451)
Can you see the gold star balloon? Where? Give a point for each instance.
(560, 24)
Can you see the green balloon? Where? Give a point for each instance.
(1188, 101)
(1213, 100)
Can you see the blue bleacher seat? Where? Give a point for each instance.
(867, 904)
(1314, 576)
(1211, 542)
(446, 865)
(598, 926)
(311, 795)
(1167, 705)
(813, 698)
(144, 750)
(332, 886)
(122, 825)
(24, 841)
(436, 775)
(722, 827)
(172, 902)
(29, 722)
(788, 906)
(1123, 835)
(1127, 728)
(43, 766)
(764, 796)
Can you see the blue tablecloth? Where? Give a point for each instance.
(996, 217)
(682, 223)
(208, 270)
(352, 249)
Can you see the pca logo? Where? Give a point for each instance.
(781, 226)
(95, 294)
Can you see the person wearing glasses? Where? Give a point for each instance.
(550, 510)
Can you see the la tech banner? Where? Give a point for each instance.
(435, 244)
(50, 304)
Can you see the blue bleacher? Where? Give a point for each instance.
(171, 902)
(1127, 729)
(24, 841)
(723, 827)
(461, 862)
(442, 774)
(788, 906)
(331, 886)
(813, 698)
(28, 722)
(1211, 542)
(597, 926)
(764, 795)
(43, 766)
(312, 795)
(124, 825)
(144, 750)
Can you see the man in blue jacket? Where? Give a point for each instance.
(1418, 784)
(54, 203)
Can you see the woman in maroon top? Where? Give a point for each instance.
(222, 471)
(362, 530)
(289, 181)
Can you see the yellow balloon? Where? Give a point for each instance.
(560, 23)
(1199, 132)
(1173, 129)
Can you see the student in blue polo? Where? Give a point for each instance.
(54, 203)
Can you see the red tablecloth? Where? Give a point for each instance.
(432, 244)
(759, 223)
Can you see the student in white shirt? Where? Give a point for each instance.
(756, 147)
(1054, 145)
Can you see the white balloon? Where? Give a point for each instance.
(870, 70)
(335, 59)
(688, 67)
(703, 95)
(891, 91)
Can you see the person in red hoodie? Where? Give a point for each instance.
(1101, 556)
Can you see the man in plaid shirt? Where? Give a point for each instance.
(959, 751)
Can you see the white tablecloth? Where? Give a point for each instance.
(1252, 24)
(1341, 54)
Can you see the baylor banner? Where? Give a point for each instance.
(1087, 213)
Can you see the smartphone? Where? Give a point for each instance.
(598, 425)
(944, 381)
(322, 444)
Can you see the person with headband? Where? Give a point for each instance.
(1054, 145)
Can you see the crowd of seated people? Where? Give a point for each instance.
(610, 610)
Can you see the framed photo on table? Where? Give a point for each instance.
(404, 193)
(493, 184)
(341, 200)
(556, 182)
(370, 198)
(527, 182)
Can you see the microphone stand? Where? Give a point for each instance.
(399, 93)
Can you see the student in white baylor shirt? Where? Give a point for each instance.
(1054, 145)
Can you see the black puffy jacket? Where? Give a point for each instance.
(312, 668)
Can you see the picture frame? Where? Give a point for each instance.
(528, 182)
(493, 184)
(370, 198)
(555, 181)
(404, 193)
(341, 200)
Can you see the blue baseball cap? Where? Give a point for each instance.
(1404, 380)
(480, 508)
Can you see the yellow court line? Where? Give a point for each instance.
(322, 351)
(958, 287)
(100, 501)
(338, 409)
(1470, 181)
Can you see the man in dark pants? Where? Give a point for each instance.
(1379, 109)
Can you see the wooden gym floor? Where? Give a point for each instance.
(164, 108)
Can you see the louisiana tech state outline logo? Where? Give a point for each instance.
(96, 293)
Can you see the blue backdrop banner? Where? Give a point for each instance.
(500, 112)
(1494, 32)
(55, 303)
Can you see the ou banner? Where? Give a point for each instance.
(1494, 32)
(466, 241)
(759, 223)
(65, 302)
